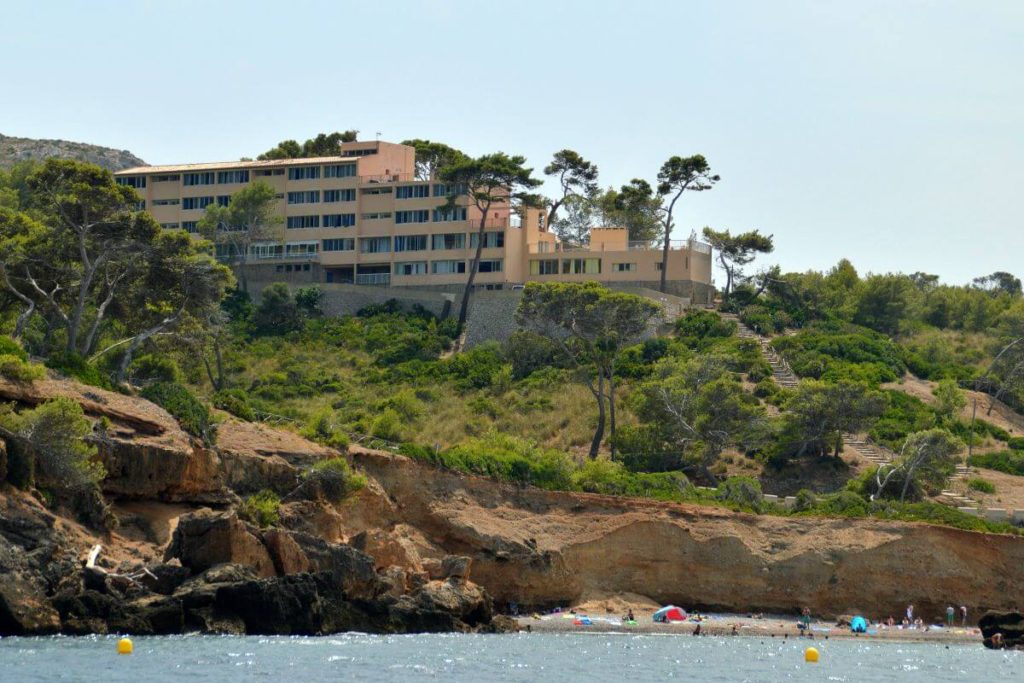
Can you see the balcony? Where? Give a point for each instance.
(259, 258)
(674, 245)
(513, 222)
(388, 178)
(379, 279)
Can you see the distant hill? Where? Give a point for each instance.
(20, 149)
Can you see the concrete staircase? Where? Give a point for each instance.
(951, 497)
(783, 374)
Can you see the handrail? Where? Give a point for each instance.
(388, 178)
(373, 278)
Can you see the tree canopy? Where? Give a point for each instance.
(737, 251)
(323, 145)
(250, 217)
(577, 178)
(431, 157)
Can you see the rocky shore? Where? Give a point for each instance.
(423, 549)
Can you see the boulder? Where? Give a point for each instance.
(1002, 630)
(456, 567)
(24, 608)
(287, 555)
(165, 578)
(205, 538)
(443, 606)
(352, 570)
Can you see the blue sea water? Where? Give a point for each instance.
(520, 657)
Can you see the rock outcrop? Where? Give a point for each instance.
(13, 150)
(1003, 630)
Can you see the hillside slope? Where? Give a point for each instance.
(14, 149)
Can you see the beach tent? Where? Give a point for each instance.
(582, 620)
(669, 613)
(859, 625)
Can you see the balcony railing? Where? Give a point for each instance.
(300, 258)
(642, 245)
(388, 178)
(492, 223)
(374, 279)
(657, 245)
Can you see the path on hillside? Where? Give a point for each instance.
(876, 454)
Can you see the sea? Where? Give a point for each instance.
(519, 657)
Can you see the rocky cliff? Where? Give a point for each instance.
(425, 549)
(14, 149)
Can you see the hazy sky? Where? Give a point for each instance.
(889, 132)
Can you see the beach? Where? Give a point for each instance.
(767, 626)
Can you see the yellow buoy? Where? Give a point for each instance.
(811, 655)
(124, 646)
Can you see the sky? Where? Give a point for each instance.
(889, 133)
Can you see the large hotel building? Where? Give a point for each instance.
(363, 218)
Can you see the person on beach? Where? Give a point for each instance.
(696, 631)
(950, 616)
(910, 613)
(805, 620)
(963, 615)
(891, 622)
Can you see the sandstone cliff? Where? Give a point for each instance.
(425, 549)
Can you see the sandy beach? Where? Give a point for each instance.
(768, 626)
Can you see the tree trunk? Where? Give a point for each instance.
(595, 445)
(219, 357)
(464, 306)
(664, 255)
(611, 406)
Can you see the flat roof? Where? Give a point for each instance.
(225, 165)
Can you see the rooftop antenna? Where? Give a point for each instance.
(378, 136)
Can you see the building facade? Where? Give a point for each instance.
(363, 218)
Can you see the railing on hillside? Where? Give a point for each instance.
(373, 279)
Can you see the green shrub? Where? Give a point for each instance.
(643, 448)
(477, 367)
(742, 492)
(481, 405)
(188, 410)
(236, 402)
(759, 371)
(528, 352)
(154, 368)
(805, 500)
(15, 369)
(324, 427)
(404, 403)
(698, 325)
(981, 485)
(334, 479)
(308, 300)
(73, 365)
(9, 347)
(1010, 462)
(1016, 443)
(510, 458)
(387, 426)
(277, 313)
(843, 504)
(262, 509)
(766, 388)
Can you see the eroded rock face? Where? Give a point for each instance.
(30, 561)
(207, 538)
(1003, 630)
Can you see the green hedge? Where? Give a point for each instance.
(188, 410)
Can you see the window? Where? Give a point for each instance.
(581, 266)
(374, 245)
(624, 267)
(189, 226)
(339, 195)
(449, 240)
(199, 178)
(136, 181)
(447, 189)
(340, 171)
(223, 199)
(491, 240)
(447, 267)
(411, 268)
(270, 171)
(412, 191)
(490, 266)
(166, 178)
(419, 216)
(310, 197)
(339, 220)
(377, 190)
(301, 248)
(659, 266)
(140, 206)
(165, 202)
(304, 173)
(224, 177)
(303, 222)
(376, 216)
(410, 242)
(192, 203)
(544, 267)
(456, 214)
(169, 226)
(340, 244)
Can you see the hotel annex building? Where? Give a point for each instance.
(362, 218)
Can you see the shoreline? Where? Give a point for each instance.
(745, 626)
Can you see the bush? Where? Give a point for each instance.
(477, 367)
(699, 325)
(18, 370)
(642, 448)
(262, 509)
(387, 426)
(308, 300)
(980, 485)
(528, 352)
(153, 368)
(843, 504)
(188, 410)
(236, 402)
(277, 313)
(9, 347)
(324, 428)
(73, 365)
(766, 388)
(1016, 443)
(58, 453)
(334, 480)
(742, 492)
(759, 371)
(1010, 462)
(805, 500)
(509, 458)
